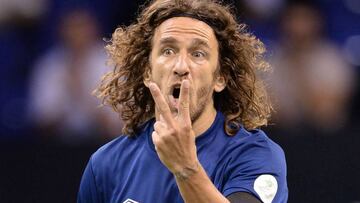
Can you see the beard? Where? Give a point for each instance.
(204, 94)
(198, 106)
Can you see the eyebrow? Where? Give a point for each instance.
(194, 43)
(168, 40)
(199, 42)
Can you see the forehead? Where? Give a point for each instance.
(183, 28)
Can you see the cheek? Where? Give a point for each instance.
(163, 65)
(204, 79)
(160, 71)
(203, 85)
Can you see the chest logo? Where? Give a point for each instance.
(130, 201)
(266, 187)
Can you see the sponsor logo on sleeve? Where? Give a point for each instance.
(266, 187)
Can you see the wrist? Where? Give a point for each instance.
(186, 172)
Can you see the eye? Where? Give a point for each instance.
(198, 54)
(168, 52)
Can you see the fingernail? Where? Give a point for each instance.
(152, 86)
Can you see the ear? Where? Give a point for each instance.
(220, 84)
(147, 77)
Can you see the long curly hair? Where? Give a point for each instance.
(241, 55)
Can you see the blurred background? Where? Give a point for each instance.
(52, 57)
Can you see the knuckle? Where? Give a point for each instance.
(184, 104)
(159, 126)
(154, 135)
(156, 139)
(160, 143)
(156, 126)
(172, 131)
(186, 127)
(166, 138)
(162, 108)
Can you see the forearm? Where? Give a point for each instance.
(195, 186)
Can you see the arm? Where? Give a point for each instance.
(174, 142)
(195, 186)
(199, 188)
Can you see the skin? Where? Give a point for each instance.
(184, 48)
(184, 54)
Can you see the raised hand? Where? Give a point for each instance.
(173, 136)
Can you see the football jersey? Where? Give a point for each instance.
(129, 170)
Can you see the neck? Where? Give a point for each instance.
(204, 121)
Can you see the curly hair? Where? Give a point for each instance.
(241, 55)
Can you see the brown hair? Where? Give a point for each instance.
(243, 101)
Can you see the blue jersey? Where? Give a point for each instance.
(129, 170)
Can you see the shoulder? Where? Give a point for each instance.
(257, 165)
(256, 150)
(120, 148)
(256, 140)
(110, 148)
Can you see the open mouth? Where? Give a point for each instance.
(176, 92)
(174, 96)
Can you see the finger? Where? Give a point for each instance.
(159, 126)
(155, 138)
(162, 119)
(184, 100)
(161, 104)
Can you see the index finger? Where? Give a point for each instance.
(161, 104)
(184, 100)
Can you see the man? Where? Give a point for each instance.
(191, 66)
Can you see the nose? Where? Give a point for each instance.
(181, 67)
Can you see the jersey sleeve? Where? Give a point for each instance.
(259, 168)
(88, 192)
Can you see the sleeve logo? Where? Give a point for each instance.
(130, 201)
(266, 187)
